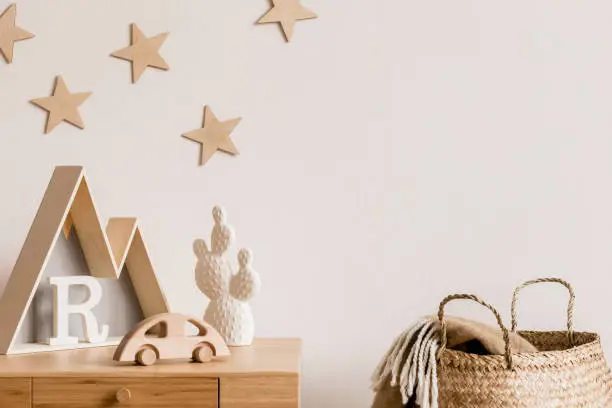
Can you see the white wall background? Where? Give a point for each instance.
(395, 152)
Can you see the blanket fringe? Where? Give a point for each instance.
(410, 364)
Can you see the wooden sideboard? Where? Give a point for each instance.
(264, 375)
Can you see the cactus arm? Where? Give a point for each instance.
(212, 276)
(245, 285)
(199, 248)
(209, 287)
(204, 275)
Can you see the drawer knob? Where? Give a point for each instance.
(123, 395)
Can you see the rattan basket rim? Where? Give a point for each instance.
(453, 357)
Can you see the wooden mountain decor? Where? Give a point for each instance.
(105, 252)
(286, 13)
(10, 33)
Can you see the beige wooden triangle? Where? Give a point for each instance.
(105, 251)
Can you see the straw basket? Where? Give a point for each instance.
(568, 371)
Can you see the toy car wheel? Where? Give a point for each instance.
(146, 356)
(203, 353)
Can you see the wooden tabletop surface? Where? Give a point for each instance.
(265, 356)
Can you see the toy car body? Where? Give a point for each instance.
(170, 341)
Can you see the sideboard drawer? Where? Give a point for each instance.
(260, 391)
(15, 392)
(129, 392)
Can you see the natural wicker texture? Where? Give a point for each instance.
(570, 305)
(558, 376)
(443, 337)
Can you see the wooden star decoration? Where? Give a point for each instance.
(287, 12)
(213, 136)
(10, 33)
(143, 52)
(62, 106)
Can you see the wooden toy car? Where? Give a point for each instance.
(163, 336)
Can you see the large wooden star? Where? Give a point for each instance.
(287, 12)
(143, 53)
(10, 33)
(213, 136)
(62, 106)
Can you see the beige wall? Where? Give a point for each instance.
(397, 151)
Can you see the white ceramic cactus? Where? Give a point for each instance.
(228, 311)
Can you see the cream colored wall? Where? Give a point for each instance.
(395, 152)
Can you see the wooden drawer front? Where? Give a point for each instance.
(135, 392)
(260, 392)
(15, 392)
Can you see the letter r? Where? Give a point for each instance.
(62, 310)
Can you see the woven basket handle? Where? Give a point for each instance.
(570, 306)
(506, 335)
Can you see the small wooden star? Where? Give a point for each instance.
(10, 33)
(143, 53)
(62, 106)
(213, 136)
(287, 12)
